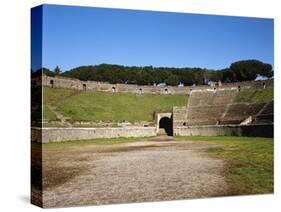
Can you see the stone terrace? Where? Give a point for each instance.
(216, 107)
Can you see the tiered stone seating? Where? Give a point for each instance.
(269, 108)
(207, 107)
(207, 114)
(265, 115)
(223, 97)
(179, 116)
(263, 118)
(210, 108)
(201, 98)
(241, 111)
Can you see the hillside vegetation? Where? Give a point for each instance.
(148, 75)
(92, 106)
(255, 96)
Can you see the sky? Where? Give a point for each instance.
(76, 36)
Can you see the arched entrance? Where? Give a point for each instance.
(166, 126)
(84, 87)
(164, 123)
(52, 83)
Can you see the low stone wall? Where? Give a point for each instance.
(63, 82)
(257, 130)
(46, 135)
(99, 124)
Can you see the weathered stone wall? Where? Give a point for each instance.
(217, 106)
(158, 118)
(206, 106)
(62, 82)
(179, 116)
(99, 124)
(256, 130)
(68, 134)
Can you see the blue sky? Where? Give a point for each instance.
(75, 36)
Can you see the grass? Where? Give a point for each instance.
(52, 98)
(250, 162)
(92, 106)
(55, 95)
(48, 114)
(255, 96)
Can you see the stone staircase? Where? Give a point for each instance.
(216, 107)
(207, 107)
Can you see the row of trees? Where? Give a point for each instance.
(148, 75)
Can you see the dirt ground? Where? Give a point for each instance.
(149, 170)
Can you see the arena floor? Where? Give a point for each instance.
(152, 169)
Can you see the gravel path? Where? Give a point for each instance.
(152, 170)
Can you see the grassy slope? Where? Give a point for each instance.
(52, 97)
(48, 114)
(255, 96)
(250, 161)
(86, 106)
(109, 106)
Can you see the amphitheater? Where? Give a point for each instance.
(209, 111)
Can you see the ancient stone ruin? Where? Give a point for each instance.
(210, 110)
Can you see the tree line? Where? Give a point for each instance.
(148, 75)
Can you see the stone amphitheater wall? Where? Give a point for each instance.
(62, 82)
(255, 130)
(217, 107)
(188, 120)
(46, 135)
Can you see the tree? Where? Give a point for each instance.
(249, 70)
(226, 75)
(44, 71)
(172, 80)
(143, 77)
(199, 77)
(238, 71)
(57, 71)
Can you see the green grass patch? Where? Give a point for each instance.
(92, 106)
(54, 95)
(48, 114)
(255, 96)
(250, 162)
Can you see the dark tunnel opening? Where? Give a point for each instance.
(167, 124)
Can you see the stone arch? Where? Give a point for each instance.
(84, 87)
(166, 124)
(239, 88)
(113, 89)
(166, 91)
(52, 83)
(140, 90)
